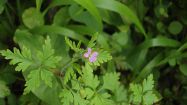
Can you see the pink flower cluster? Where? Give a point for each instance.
(92, 56)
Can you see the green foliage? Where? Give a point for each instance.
(175, 27)
(41, 65)
(111, 81)
(144, 93)
(102, 57)
(23, 59)
(88, 78)
(32, 18)
(4, 90)
(2, 4)
(72, 44)
(46, 43)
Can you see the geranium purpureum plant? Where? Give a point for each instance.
(93, 52)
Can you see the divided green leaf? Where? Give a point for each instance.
(72, 44)
(22, 59)
(144, 93)
(111, 81)
(103, 56)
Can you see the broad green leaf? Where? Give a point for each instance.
(82, 29)
(60, 31)
(47, 94)
(32, 18)
(175, 27)
(62, 17)
(159, 41)
(27, 39)
(78, 14)
(89, 5)
(122, 9)
(121, 38)
(149, 67)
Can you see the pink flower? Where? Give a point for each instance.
(91, 55)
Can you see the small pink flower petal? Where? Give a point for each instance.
(87, 54)
(93, 57)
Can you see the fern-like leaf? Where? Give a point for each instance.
(144, 93)
(103, 56)
(88, 77)
(111, 81)
(72, 44)
(22, 59)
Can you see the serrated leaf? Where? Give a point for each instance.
(148, 83)
(120, 94)
(66, 97)
(102, 99)
(149, 98)
(89, 93)
(46, 76)
(68, 75)
(136, 90)
(23, 59)
(111, 81)
(89, 78)
(78, 100)
(33, 81)
(46, 56)
(72, 44)
(102, 57)
(92, 42)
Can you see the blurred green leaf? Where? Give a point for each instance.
(2, 4)
(77, 13)
(32, 18)
(183, 68)
(122, 9)
(175, 27)
(4, 90)
(62, 17)
(89, 5)
(59, 31)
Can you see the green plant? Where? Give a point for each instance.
(98, 52)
